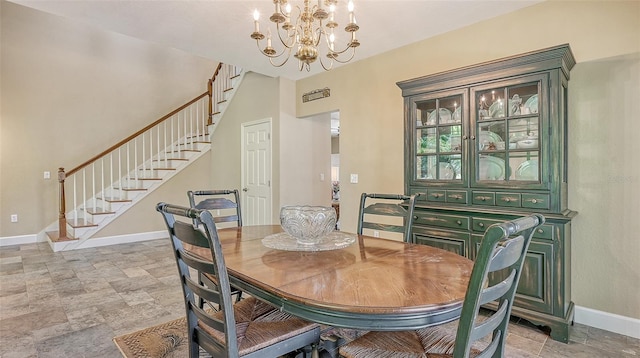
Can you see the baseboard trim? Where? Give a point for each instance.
(608, 321)
(18, 240)
(108, 240)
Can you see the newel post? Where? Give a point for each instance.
(210, 94)
(62, 220)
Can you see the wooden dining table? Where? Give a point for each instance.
(373, 284)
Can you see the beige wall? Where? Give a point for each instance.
(301, 147)
(63, 82)
(257, 98)
(603, 115)
(604, 179)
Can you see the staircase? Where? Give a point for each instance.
(109, 184)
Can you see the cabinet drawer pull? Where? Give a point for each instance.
(506, 200)
(436, 195)
(481, 224)
(540, 231)
(456, 197)
(534, 201)
(459, 222)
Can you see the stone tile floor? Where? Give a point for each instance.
(72, 304)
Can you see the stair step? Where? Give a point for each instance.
(99, 211)
(179, 159)
(158, 169)
(131, 189)
(114, 200)
(80, 223)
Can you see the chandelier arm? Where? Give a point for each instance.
(325, 67)
(353, 53)
(276, 55)
(292, 39)
(279, 65)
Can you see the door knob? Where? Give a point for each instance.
(245, 189)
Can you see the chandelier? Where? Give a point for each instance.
(307, 35)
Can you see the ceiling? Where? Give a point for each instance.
(219, 30)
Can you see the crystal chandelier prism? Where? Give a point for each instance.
(312, 31)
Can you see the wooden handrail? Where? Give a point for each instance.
(134, 135)
(210, 90)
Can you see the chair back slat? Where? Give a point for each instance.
(498, 290)
(386, 209)
(502, 253)
(487, 326)
(491, 349)
(507, 255)
(187, 234)
(384, 212)
(383, 227)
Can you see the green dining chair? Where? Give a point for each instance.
(379, 215)
(494, 278)
(249, 328)
(226, 204)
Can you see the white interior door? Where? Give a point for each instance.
(256, 172)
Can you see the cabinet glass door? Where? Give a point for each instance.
(438, 138)
(507, 133)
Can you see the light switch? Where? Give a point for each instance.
(354, 178)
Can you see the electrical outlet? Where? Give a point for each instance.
(321, 176)
(47, 175)
(354, 179)
(376, 233)
(14, 218)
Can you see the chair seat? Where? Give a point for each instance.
(432, 342)
(260, 325)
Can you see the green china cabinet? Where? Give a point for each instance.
(486, 144)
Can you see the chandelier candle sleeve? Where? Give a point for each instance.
(305, 33)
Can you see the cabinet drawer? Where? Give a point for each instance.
(544, 232)
(436, 195)
(508, 199)
(535, 201)
(456, 196)
(450, 221)
(480, 224)
(484, 198)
